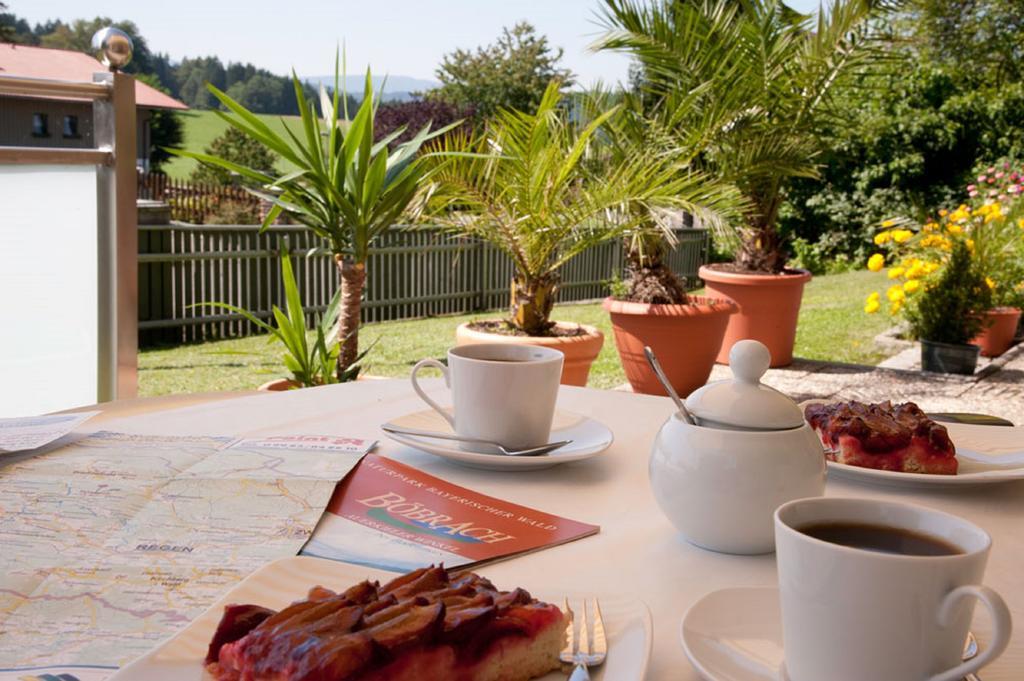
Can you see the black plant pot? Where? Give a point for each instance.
(949, 359)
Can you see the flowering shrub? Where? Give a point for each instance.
(988, 229)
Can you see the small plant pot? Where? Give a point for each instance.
(997, 335)
(769, 308)
(580, 351)
(279, 385)
(945, 358)
(686, 338)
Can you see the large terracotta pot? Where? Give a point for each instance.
(769, 308)
(686, 339)
(1000, 328)
(580, 351)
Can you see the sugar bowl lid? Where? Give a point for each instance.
(743, 402)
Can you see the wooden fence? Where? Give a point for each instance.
(196, 202)
(411, 273)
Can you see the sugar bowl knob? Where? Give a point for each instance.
(749, 360)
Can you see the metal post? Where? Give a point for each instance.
(114, 126)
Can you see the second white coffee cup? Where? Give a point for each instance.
(852, 614)
(500, 392)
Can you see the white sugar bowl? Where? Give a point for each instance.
(720, 481)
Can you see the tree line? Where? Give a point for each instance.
(256, 88)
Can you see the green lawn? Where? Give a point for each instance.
(200, 128)
(832, 327)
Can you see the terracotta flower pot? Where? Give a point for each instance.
(580, 351)
(282, 384)
(769, 308)
(686, 339)
(1000, 328)
(279, 385)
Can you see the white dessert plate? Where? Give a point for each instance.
(987, 455)
(275, 585)
(589, 438)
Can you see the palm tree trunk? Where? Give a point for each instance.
(762, 249)
(532, 301)
(353, 280)
(649, 279)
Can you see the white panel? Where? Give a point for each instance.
(48, 300)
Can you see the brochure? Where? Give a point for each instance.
(32, 432)
(387, 515)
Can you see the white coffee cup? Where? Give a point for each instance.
(500, 392)
(851, 614)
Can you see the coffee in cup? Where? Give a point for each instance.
(878, 590)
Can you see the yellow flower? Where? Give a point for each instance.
(916, 270)
(888, 223)
(930, 267)
(871, 305)
(882, 238)
(911, 286)
(943, 212)
(895, 294)
(1020, 223)
(901, 235)
(954, 229)
(896, 272)
(970, 245)
(990, 282)
(876, 262)
(934, 240)
(895, 306)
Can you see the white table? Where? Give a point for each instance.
(637, 553)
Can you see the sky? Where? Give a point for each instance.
(396, 37)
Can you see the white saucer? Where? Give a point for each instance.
(736, 635)
(589, 438)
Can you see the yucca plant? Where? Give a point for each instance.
(747, 84)
(527, 186)
(310, 364)
(348, 189)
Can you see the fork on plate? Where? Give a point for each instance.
(586, 646)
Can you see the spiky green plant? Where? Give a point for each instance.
(309, 365)
(347, 189)
(747, 84)
(526, 185)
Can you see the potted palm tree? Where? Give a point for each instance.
(749, 83)
(650, 306)
(524, 186)
(349, 188)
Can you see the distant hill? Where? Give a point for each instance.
(397, 88)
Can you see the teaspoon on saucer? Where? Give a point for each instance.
(505, 451)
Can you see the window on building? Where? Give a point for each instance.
(71, 126)
(40, 125)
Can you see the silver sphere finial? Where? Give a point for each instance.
(113, 47)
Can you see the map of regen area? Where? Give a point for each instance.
(114, 542)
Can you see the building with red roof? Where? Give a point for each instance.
(65, 122)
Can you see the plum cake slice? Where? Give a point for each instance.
(884, 436)
(422, 625)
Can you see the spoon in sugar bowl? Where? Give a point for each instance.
(660, 373)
